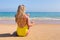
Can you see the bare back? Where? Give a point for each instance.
(21, 21)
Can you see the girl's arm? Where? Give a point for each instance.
(29, 22)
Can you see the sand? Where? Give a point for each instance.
(41, 31)
(37, 32)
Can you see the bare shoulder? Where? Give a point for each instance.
(26, 15)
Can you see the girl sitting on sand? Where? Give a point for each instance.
(22, 21)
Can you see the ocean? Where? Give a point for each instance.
(44, 15)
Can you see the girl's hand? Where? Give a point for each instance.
(28, 14)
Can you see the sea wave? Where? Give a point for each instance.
(35, 18)
(7, 18)
(45, 18)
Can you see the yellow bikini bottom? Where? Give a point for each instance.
(22, 31)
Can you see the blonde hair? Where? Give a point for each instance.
(20, 10)
(19, 16)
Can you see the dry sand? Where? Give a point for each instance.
(37, 32)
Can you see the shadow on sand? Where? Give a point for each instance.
(8, 35)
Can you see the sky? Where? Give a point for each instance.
(31, 5)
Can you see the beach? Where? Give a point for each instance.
(44, 14)
(42, 30)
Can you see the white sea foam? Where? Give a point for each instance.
(7, 18)
(42, 18)
(35, 18)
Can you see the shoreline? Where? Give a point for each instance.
(36, 20)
